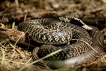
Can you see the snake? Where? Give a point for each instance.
(78, 45)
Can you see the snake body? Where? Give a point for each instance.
(55, 34)
(86, 57)
(52, 31)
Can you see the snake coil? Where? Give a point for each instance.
(78, 45)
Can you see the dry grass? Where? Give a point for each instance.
(13, 58)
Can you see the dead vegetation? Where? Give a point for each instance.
(13, 55)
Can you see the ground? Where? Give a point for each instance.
(14, 56)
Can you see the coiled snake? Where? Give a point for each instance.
(78, 46)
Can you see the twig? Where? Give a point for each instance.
(3, 58)
(17, 3)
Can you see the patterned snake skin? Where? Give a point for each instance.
(78, 45)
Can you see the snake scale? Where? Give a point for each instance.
(78, 45)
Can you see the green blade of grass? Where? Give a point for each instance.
(53, 53)
(13, 25)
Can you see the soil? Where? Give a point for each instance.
(14, 56)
